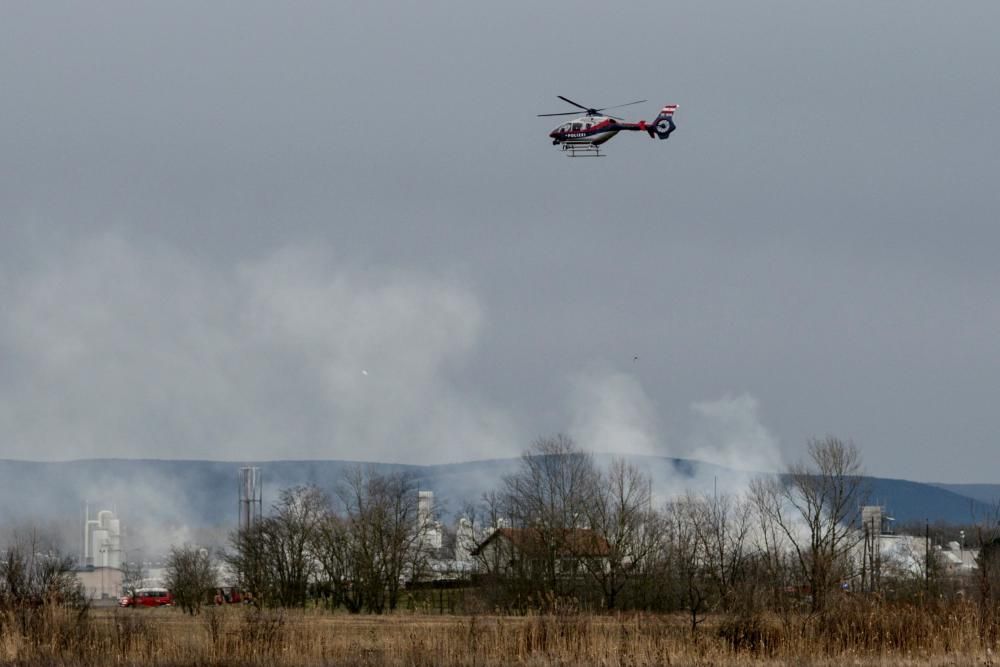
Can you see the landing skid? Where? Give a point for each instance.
(582, 150)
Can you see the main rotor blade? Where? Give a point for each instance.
(566, 99)
(577, 113)
(618, 106)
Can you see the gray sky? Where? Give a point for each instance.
(217, 217)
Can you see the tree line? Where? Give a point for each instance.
(356, 550)
(564, 532)
(600, 538)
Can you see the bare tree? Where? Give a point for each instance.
(816, 506)
(336, 554)
(551, 495)
(32, 581)
(773, 551)
(273, 558)
(190, 575)
(620, 511)
(33, 578)
(383, 526)
(298, 515)
(248, 559)
(684, 556)
(725, 528)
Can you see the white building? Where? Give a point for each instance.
(430, 529)
(902, 557)
(100, 583)
(102, 540)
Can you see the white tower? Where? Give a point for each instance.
(102, 540)
(430, 530)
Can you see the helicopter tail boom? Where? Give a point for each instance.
(664, 123)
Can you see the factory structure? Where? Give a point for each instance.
(430, 529)
(104, 559)
(102, 540)
(450, 556)
(882, 555)
(251, 496)
(100, 571)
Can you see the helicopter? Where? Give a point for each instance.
(583, 136)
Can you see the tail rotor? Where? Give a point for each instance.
(664, 123)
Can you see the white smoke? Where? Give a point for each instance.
(728, 432)
(610, 412)
(118, 350)
(113, 349)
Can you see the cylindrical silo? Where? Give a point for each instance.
(114, 543)
(99, 546)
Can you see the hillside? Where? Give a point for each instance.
(163, 502)
(986, 493)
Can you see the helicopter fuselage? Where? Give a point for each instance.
(593, 130)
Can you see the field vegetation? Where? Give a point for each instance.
(859, 632)
(573, 565)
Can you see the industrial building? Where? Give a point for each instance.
(100, 572)
(430, 529)
(100, 583)
(881, 555)
(102, 540)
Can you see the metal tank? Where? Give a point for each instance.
(251, 494)
(102, 540)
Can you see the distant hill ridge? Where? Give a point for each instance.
(172, 495)
(986, 493)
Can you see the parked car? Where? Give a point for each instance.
(230, 595)
(147, 597)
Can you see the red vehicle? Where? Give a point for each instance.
(229, 595)
(147, 597)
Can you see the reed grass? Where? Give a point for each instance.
(862, 632)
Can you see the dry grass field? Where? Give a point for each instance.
(243, 636)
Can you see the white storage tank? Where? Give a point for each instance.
(103, 540)
(114, 543)
(99, 547)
